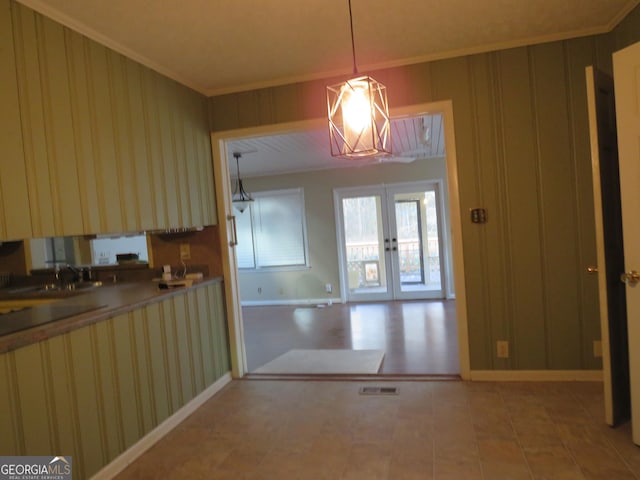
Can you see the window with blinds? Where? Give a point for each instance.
(272, 231)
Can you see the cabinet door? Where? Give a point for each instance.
(47, 124)
(92, 142)
(15, 220)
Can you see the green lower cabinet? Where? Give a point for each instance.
(92, 393)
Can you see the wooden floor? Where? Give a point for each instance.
(418, 337)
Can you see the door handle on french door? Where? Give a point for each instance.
(234, 239)
(630, 278)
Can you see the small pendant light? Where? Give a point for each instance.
(240, 199)
(358, 114)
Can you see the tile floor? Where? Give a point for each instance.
(453, 430)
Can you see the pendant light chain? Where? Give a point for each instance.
(353, 42)
(243, 195)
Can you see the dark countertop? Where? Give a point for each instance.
(77, 310)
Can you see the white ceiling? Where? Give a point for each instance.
(222, 46)
(219, 46)
(413, 139)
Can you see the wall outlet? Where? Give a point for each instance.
(502, 349)
(328, 288)
(597, 348)
(185, 251)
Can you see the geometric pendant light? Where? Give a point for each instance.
(358, 114)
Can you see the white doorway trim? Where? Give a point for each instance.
(225, 222)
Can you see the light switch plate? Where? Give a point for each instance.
(478, 215)
(185, 251)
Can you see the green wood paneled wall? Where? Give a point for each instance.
(94, 392)
(627, 32)
(523, 153)
(93, 142)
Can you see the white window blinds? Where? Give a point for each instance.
(272, 232)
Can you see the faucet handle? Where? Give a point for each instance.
(87, 274)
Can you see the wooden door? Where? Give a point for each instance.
(606, 196)
(626, 74)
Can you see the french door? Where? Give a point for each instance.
(390, 242)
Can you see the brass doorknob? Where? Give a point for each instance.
(591, 270)
(630, 278)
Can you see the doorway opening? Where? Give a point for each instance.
(412, 279)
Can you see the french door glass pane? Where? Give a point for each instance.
(433, 243)
(417, 242)
(364, 244)
(410, 258)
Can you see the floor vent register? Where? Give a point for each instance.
(378, 390)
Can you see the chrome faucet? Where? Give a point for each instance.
(78, 274)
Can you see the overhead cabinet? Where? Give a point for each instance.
(14, 201)
(97, 143)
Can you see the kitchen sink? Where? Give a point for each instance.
(71, 287)
(54, 289)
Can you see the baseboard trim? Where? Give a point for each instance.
(123, 460)
(535, 375)
(308, 302)
(333, 377)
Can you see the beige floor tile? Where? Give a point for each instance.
(493, 426)
(407, 438)
(505, 471)
(578, 435)
(603, 473)
(600, 462)
(327, 463)
(620, 439)
(551, 462)
(569, 473)
(459, 450)
(417, 452)
(500, 451)
(537, 433)
(458, 430)
(411, 469)
(445, 469)
(285, 430)
(367, 461)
